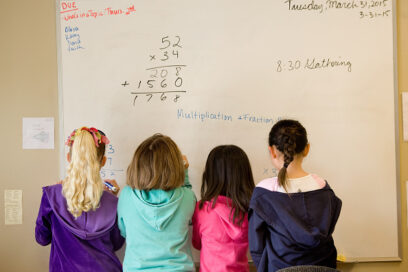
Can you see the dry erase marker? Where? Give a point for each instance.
(110, 186)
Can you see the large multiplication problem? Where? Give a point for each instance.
(366, 9)
(165, 75)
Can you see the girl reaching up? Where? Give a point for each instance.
(155, 208)
(78, 217)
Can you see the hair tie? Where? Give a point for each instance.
(98, 136)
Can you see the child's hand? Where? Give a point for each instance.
(115, 184)
(186, 164)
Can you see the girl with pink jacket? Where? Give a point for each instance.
(220, 221)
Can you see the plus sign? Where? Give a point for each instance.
(125, 84)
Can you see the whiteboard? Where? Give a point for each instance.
(210, 72)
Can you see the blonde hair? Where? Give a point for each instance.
(156, 164)
(83, 186)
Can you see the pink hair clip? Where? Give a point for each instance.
(98, 136)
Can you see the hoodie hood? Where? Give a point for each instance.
(223, 209)
(157, 207)
(89, 225)
(307, 219)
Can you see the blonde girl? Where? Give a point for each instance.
(78, 217)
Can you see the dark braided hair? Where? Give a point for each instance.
(290, 138)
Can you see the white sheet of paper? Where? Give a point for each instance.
(38, 133)
(13, 205)
(405, 115)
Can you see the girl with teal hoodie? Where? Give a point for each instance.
(155, 209)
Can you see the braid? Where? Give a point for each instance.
(290, 138)
(287, 147)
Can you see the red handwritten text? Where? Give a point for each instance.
(68, 7)
(109, 11)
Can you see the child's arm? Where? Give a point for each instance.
(116, 237)
(121, 203)
(187, 183)
(256, 235)
(43, 234)
(196, 230)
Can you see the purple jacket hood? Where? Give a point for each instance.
(89, 225)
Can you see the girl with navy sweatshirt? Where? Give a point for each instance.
(292, 217)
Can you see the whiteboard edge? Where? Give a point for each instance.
(60, 93)
(397, 130)
(372, 260)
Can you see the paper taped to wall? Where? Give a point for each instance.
(13, 205)
(38, 133)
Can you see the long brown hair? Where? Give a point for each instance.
(228, 173)
(290, 138)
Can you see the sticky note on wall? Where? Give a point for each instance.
(13, 205)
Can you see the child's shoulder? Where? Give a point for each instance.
(127, 188)
(125, 195)
(52, 190)
(221, 203)
(188, 194)
(319, 180)
(125, 191)
(205, 205)
(57, 186)
(270, 184)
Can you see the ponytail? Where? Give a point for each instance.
(83, 186)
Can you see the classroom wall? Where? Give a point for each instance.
(29, 88)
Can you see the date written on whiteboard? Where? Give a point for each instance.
(164, 79)
(368, 9)
(313, 64)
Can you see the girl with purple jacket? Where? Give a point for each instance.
(78, 217)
